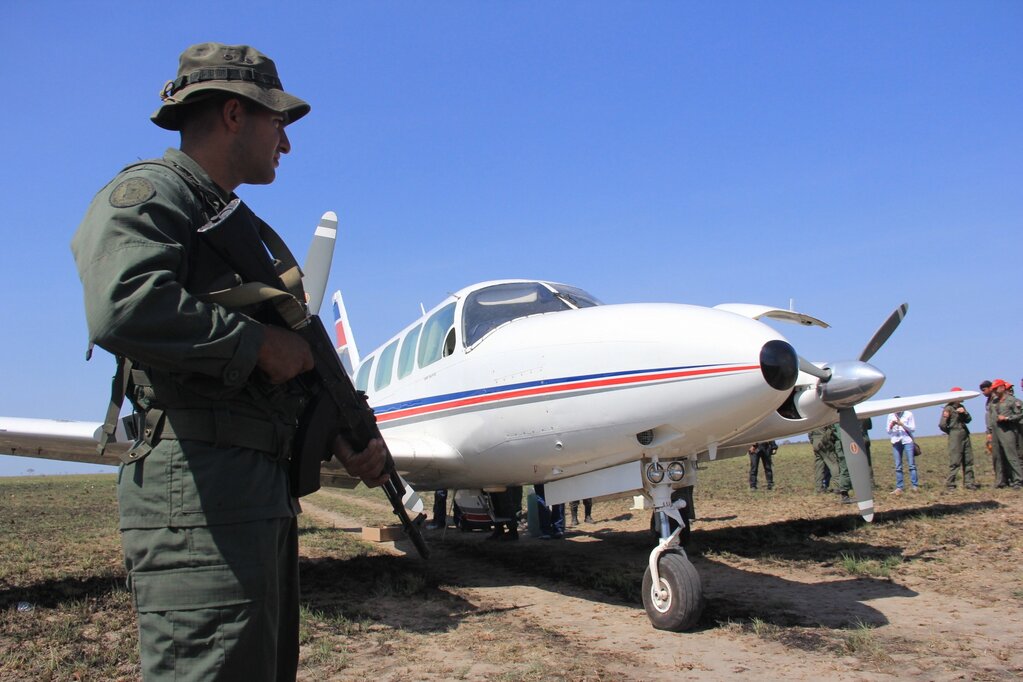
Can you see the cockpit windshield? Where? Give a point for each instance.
(577, 298)
(490, 307)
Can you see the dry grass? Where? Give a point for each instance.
(366, 614)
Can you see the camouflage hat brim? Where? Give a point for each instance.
(168, 116)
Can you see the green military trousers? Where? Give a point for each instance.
(825, 460)
(213, 602)
(960, 456)
(211, 547)
(1005, 451)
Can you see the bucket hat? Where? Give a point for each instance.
(239, 69)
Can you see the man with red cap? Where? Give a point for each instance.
(954, 420)
(1004, 419)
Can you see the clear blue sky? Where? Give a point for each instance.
(849, 156)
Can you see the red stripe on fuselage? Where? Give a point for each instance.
(540, 390)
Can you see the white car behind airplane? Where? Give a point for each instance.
(514, 382)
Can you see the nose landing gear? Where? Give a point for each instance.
(672, 593)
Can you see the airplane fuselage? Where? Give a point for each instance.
(548, 395)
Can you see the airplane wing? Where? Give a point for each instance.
(755, 312)
(873, 408)
(76, 441)
(69, 441)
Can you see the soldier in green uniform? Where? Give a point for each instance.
(207, 523)
(844, 480)
(1005, 418)
(996, 463)
(825, 459)
(954, 420)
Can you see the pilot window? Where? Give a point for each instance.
(407, 356)
(362, 378)
(385, 365)
(493, 306)
(435, 336)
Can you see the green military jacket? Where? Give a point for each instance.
(824, 440)
(951, 419)
(1009, 407)
(144, 269)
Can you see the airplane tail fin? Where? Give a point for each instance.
(346, 347)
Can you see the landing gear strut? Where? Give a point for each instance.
(672, 593)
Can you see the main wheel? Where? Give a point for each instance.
(678, 602)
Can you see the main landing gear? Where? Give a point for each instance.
(672, 593)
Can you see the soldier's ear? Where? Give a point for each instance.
(233, 113)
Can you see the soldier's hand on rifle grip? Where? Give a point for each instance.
(283, 355)
(367, 465)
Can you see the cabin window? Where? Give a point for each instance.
(362, 378)
(435, 335)
(489, 308)
(407, 356)
(385, 365)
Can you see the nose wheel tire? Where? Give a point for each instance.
(677, 603)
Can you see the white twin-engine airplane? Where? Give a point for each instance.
(514, 382)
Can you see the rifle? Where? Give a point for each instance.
(335, 406)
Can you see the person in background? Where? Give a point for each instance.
(506, 507)
(996, 464)
(552, 518)
(867, 424)
(844, 479)
(762, 453)
(587, 508)
(825, 461)
(1004, 418)
(900, 427)
(440, 510)
(953, 421)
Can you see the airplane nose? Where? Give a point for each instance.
(779, 365)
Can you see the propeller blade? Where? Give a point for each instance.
(856, 459)
(813, 370)
(318, 260)
(883, 332)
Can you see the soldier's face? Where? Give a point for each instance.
(260, 144)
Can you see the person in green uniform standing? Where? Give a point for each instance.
(844, 480)
(1005, 418)
(954, 420)
(207, 523)
(825, 459)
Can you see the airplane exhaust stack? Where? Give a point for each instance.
(779, 365)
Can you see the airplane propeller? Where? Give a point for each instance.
(883, 332)
(843, 385)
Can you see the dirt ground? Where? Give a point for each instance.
(797, 587)
(931, 591)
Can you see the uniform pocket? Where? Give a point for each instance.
(199, 587)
